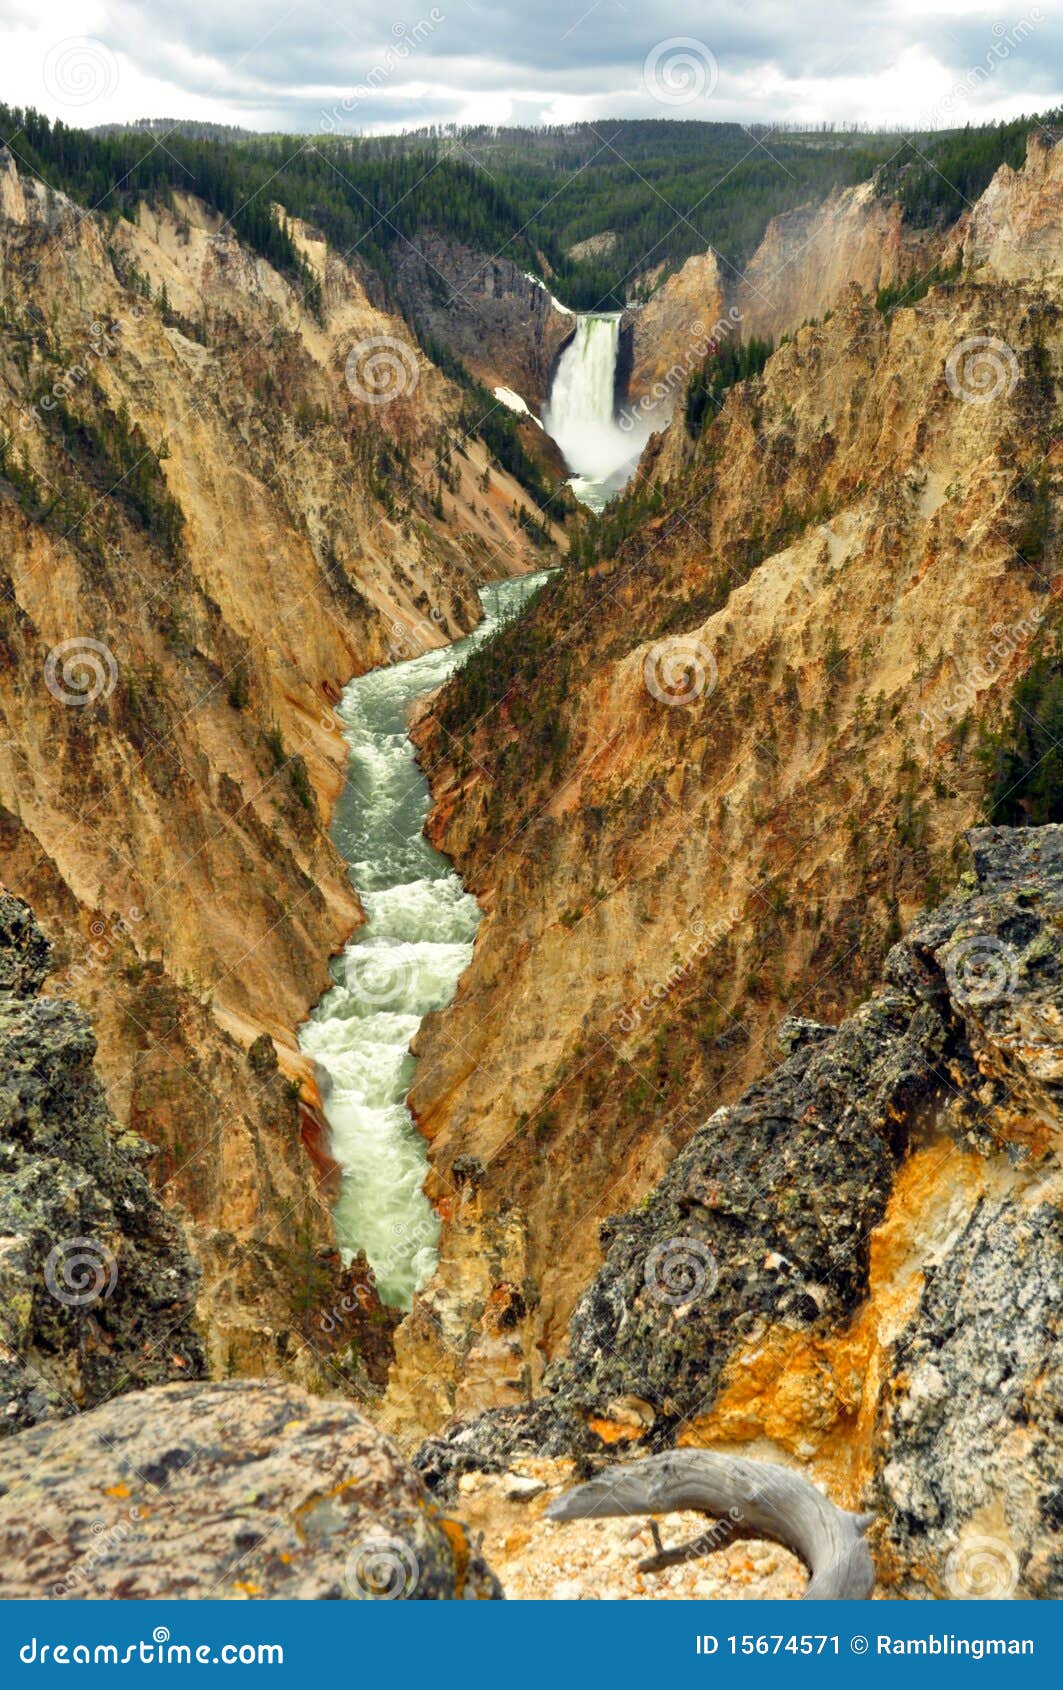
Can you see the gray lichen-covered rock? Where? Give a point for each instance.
(763, 1231)
(969, 1454)
(24, 951)
(234, 1490)
(97, 1289)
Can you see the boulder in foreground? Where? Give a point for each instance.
(225, 1490)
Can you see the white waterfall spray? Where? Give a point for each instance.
(580, 415)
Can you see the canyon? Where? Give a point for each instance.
(164, 806)
(752, 775)
(751, 1073)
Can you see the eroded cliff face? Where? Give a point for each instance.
(809, 259)
(210, 522)
(855, 1268)
(726, 765)
(804, 268)
(1013, 230)
(503, 324)
(672, 332)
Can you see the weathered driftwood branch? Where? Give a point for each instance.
(749, 1499)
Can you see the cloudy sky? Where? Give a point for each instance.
(371, 65)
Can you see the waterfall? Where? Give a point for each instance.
(600, 447)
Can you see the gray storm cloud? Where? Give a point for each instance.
(282, 65)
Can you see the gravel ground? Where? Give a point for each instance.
(598, 1559)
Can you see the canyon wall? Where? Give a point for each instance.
(97, 1289)
(854, 1270)
(672, 332)
(725, 765)
(809, 259)
(803, 268)
(503, 324)
(212, 515)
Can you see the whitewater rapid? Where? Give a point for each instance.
(405, 961)
(600, 445)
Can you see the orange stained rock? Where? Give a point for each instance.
(817, 1397)
(616, 1431)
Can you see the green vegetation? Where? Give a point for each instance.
(936, 177)
(483, 415)
(661, 190)
(110, 454)
(602, 536)
(1032, 538)
(1024, 760)
(115, 457)
(732, 361)
(914, 287)
(508, 662)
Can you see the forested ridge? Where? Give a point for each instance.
(659, 191)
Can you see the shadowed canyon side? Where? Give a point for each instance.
(209, 524)
(723, 766)
(503, 323)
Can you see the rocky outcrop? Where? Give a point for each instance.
(673, 331)
(857, 1264)
(719, 771)
(97, 1290)
(503, 324)
(810, 258)
(232, 1490)
(209, 523)
(1013, 230)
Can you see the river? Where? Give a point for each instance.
(405, 961)
(417, 940)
